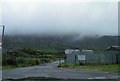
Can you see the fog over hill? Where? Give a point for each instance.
(56, 42)
(57, 26)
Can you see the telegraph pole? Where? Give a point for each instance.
(2, 43)
(3, 30)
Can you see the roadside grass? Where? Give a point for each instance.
(106, 68)
(103, 68)
(8, 67)
(0, 67)
(13, 66)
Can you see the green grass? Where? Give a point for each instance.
(0, 67)
(104, 68)
(8, 67)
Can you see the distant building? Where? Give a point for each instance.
(88, 50)
(114, 48)
(68, 51)
(76, 56)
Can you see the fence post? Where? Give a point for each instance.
(75, 59)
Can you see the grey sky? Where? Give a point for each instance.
(50, 17)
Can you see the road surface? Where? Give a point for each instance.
(51, 70)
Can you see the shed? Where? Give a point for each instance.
(114, 48)
(92, 57)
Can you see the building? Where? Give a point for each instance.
(91, 57)
(69, 51)
(114, 48)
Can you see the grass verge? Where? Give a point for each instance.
(8, 67)
(104, 68)
(0, 67)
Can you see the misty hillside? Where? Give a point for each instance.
(52, 43)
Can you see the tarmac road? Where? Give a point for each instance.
(51, 70)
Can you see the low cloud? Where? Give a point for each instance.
(61, 18)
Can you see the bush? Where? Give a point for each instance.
(9, 61)
(20, 60)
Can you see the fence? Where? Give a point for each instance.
(93, 57)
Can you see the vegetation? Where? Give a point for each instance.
(0, 67)
(27, 57)
(8, 67)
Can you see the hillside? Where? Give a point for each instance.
(53, 43)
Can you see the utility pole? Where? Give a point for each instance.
(3, 30)
(2, 43)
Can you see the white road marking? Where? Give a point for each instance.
(90, 78)
(98, 78)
